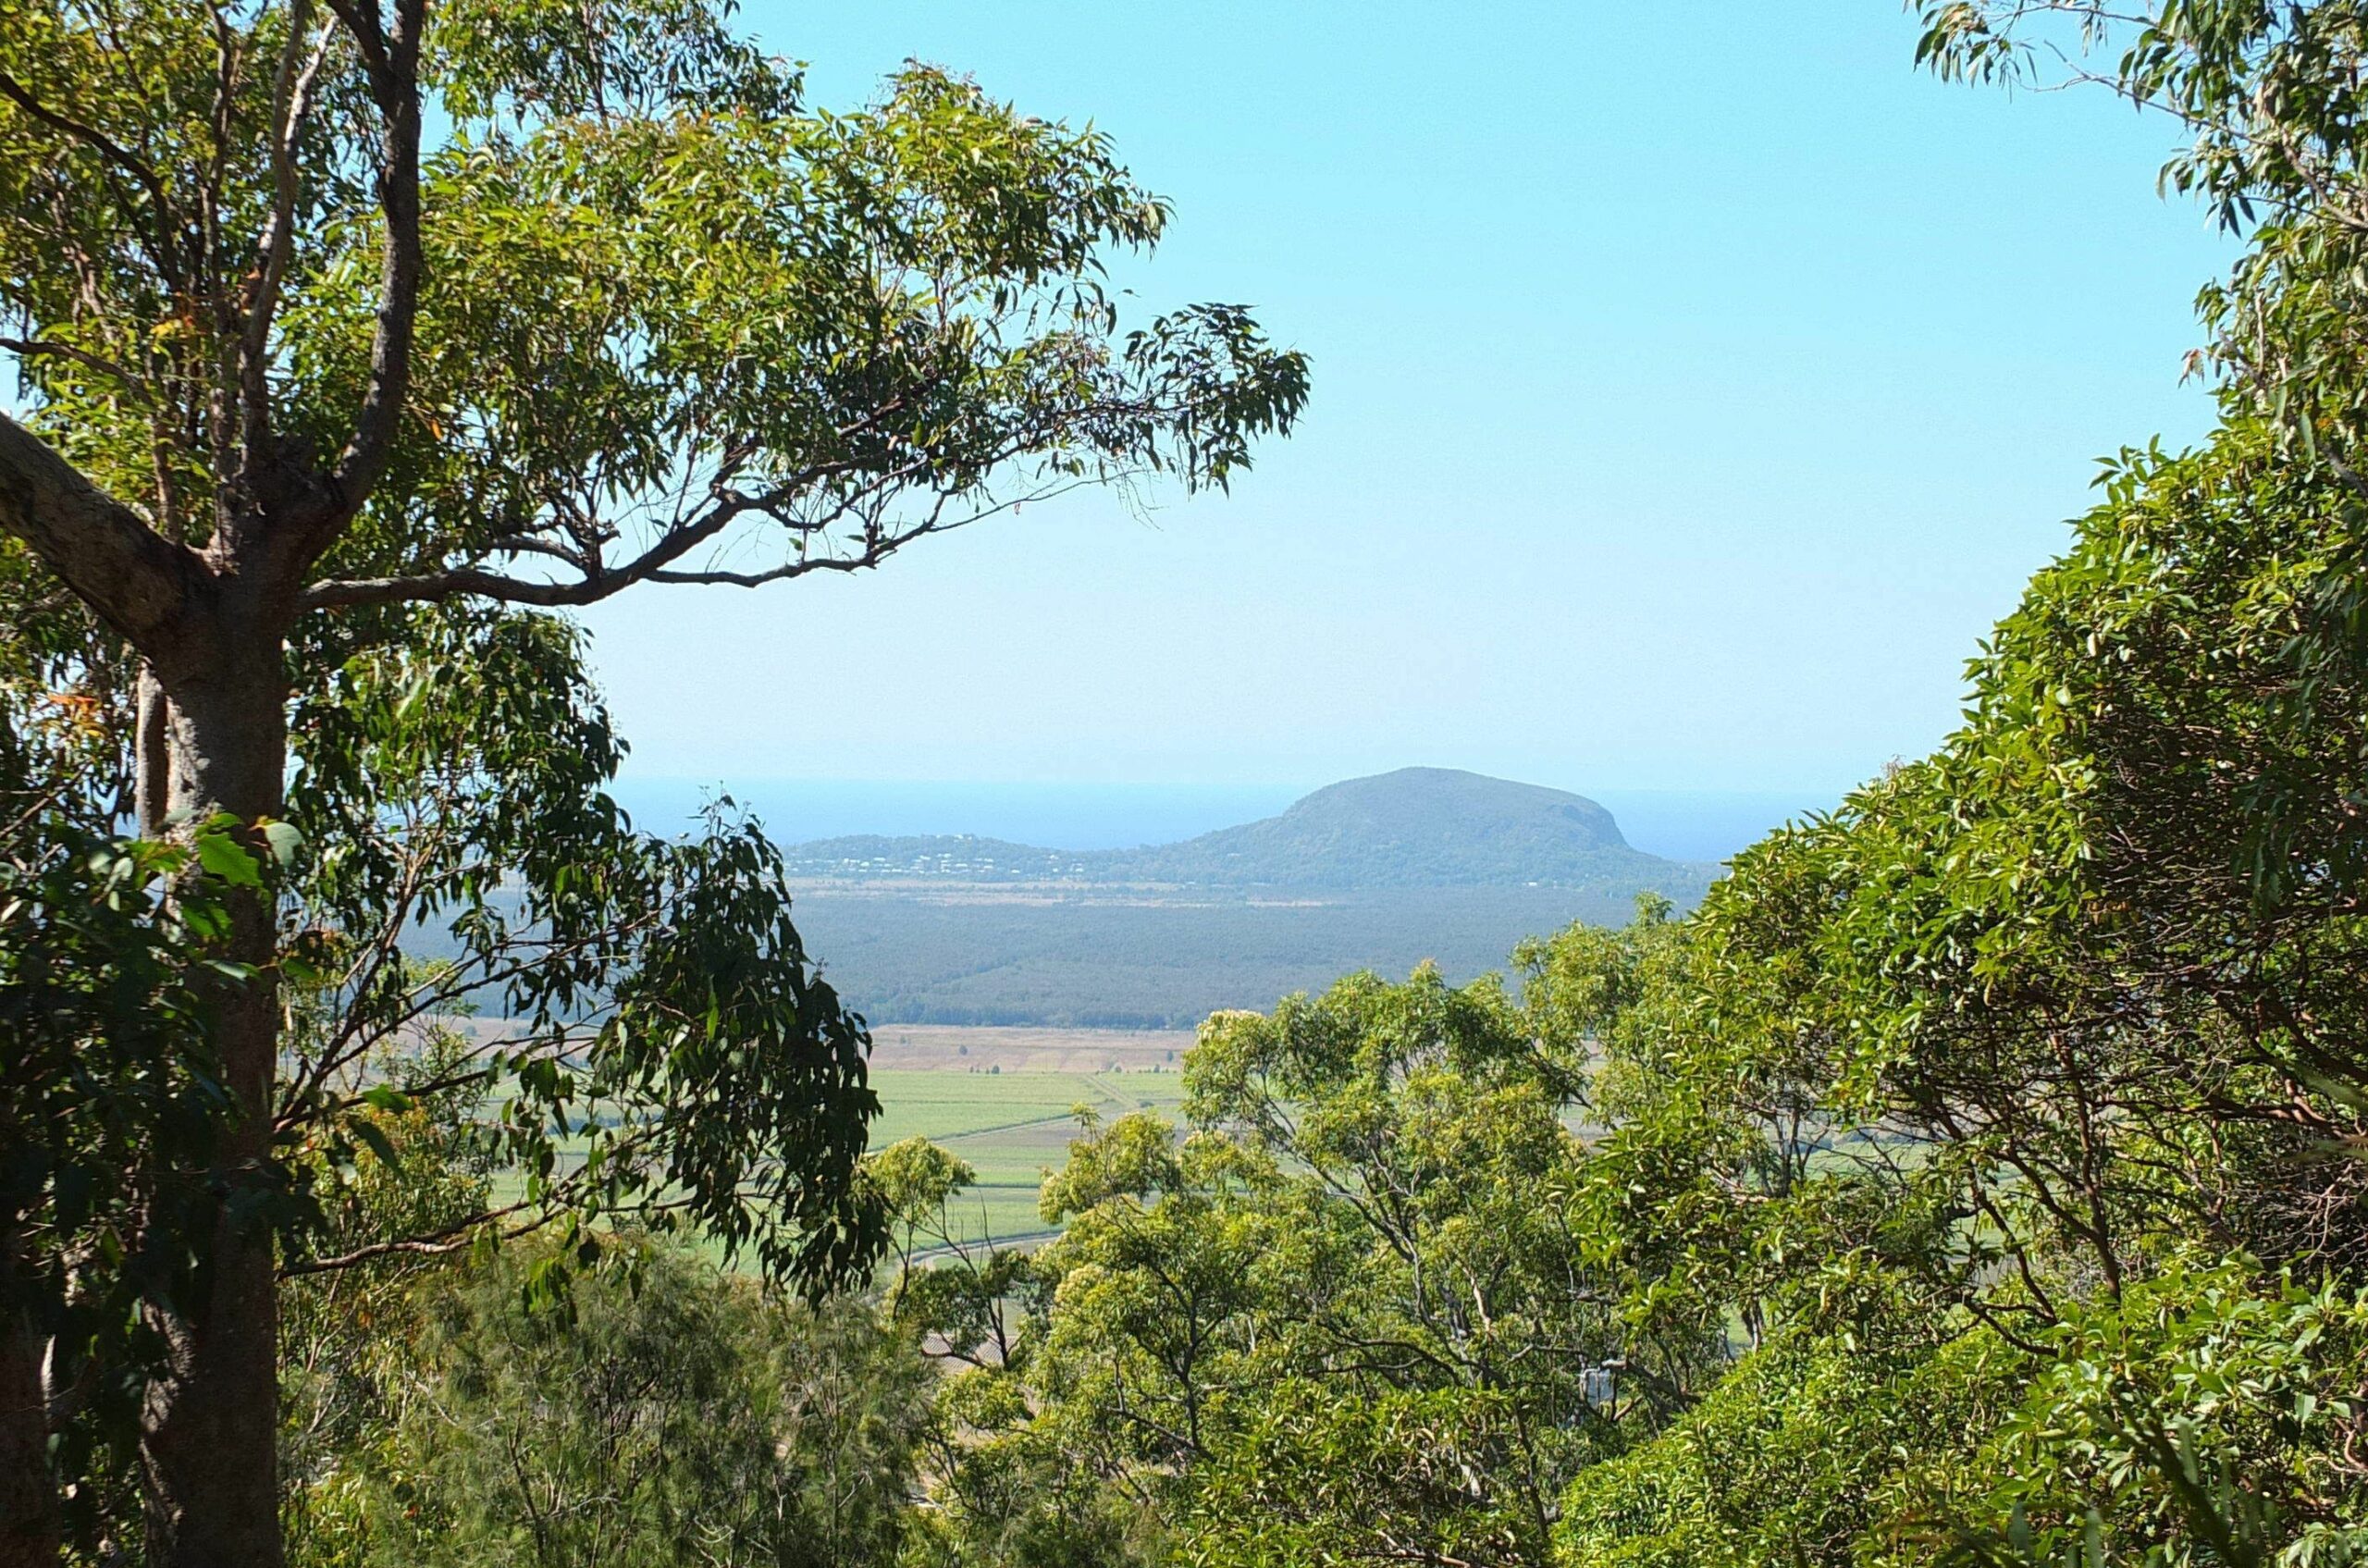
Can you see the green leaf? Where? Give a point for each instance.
(371, 1133)
(284, 839)
(227, 861)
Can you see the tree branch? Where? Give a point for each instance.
(656, 563)
(138, 581)
(463, 581)
(290, 103)
(392, 65)
(131, 381)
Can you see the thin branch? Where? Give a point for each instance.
(132, 380)
(434, 1244)
(290, 100)
(391, 64)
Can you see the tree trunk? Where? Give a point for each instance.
(28, 1491)
(210, 1427)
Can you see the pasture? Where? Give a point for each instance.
(1013, 1123)
(1004, 1100)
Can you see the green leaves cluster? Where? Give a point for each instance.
(669, 1413)
(667, 1051)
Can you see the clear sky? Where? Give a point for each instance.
(1694, 386)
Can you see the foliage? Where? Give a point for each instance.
(2206, 1417)
(639, 297)
(1341, 1274)
(666, 1414)
(668, 1028)
(1798, 1454)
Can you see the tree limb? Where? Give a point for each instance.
(290, 102)
(138, 581)
(392, 64)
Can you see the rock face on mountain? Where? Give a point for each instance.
(1418, 827)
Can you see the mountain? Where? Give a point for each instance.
(1382, 873)
(1417, 827)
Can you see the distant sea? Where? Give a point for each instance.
(1677, 824)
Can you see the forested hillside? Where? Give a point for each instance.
(1146, 962)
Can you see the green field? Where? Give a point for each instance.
(1011, 1127)
(1006, 1101)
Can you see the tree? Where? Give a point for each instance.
(298, 372)
(671, 1414)
(103, 1068)
(1352, 1312)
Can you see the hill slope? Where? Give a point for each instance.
(1417, 827)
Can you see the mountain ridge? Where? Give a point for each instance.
(1411, 827)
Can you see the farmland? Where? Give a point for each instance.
(1006, 1100)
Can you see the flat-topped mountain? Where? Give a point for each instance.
(1417, 827)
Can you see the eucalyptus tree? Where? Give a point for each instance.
(348, 327)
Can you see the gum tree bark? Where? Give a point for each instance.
(209, 1427)
(211, 634)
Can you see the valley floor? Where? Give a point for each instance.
(1006, 1101)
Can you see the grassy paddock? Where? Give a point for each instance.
(1011, 1127)
(1006, 1100)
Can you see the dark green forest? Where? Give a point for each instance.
(1978, 1175)
(1152, 962)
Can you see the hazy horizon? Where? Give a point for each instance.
(1678, 825)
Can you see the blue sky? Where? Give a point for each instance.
(1693, 386)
